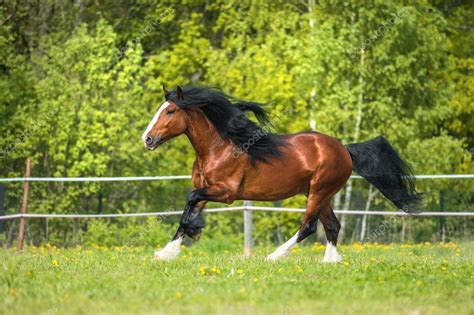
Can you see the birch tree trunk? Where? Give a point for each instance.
(347, 204)
(80, 8)
(370, 198)
(402, 233)
(312, 23)
(347, 199)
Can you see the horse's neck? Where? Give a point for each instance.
(203, 136)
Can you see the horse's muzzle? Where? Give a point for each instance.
(152, 143)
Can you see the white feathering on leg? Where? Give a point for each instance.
(331, 255)
(171, 250)
(284, 249)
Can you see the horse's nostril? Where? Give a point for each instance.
(148, 140)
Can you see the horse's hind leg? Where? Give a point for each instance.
(319, 199)
(331, 227)
(308, 227)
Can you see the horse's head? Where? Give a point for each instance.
(169, 121)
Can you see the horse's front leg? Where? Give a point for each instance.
(173, 248)
(192, 220)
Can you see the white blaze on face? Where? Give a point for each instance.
(154, 120)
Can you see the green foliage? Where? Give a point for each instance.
(79, 83)
(124, 233)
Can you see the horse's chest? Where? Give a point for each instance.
(209, 172)
(201, 176)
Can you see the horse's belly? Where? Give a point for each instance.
(268, 183)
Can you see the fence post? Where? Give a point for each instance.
(247, 229)
(24, 207)
(2, 208)
(442, 221)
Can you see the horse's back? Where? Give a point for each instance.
(319, 150)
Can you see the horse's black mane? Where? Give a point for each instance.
(228, 116)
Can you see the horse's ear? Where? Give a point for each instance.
(165, 91)
(179, 93)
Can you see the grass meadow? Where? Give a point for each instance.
(211, 277)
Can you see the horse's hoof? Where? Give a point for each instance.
(170, 251)
(332, 259)
(331, 255)
(164, 255)
(274, 257)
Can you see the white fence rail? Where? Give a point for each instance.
(153, 178)
(229, 209)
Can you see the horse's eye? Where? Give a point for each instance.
(170, 112)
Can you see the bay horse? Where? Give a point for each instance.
(238, 159)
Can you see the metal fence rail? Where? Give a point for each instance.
(110, 215)
(229, 209)
(153, 178)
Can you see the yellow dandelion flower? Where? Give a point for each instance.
(419, 282)
(318, 247)
(444, 268)
(240, 271)
(179, 295)
(346, 263)
(55, 263)
(255, 280)
(357, 246)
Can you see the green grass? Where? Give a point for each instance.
(208, 278)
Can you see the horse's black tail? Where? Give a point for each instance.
(380, 164)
